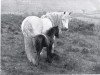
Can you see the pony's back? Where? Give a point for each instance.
(55, 17)
(31, 26)
(47, 24)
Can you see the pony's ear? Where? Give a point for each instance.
(70, 13)
(56, 26)
(64, 12)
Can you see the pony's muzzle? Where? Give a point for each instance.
(57, 35)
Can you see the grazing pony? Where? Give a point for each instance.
(44, 40)
(32, 26)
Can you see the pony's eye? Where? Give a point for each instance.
(63, 19)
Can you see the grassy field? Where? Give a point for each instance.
(78, 49)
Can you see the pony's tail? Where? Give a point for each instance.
(28, 41)
(27, 29)
(30, 49)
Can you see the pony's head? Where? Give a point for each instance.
(54, 31)
(65, 19)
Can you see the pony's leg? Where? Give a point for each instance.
(38, 49)
(53, 48)
(49, 53)
(38, 58)
(30, 50)
(53, 45)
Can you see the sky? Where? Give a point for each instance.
(28, 6)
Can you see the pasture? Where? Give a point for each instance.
(78, 49)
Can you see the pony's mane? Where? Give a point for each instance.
(56, 18)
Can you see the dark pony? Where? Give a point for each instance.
(46, 40)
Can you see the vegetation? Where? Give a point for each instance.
(77, 50)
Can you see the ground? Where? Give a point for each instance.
(77, 50)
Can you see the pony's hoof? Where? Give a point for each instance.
(32, 64)
(48, 61)
(36, 65)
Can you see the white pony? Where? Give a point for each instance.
(32, 26)
(60, 19)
